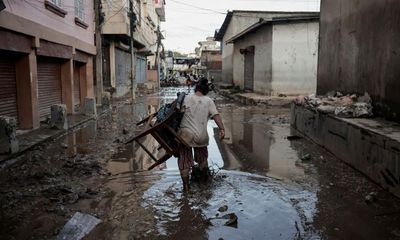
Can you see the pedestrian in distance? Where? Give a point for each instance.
(198, 109)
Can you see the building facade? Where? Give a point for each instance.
(235, 22)
(46, 57)
(277, 56)
(131, 44)
(210, 59)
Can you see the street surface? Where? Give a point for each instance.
(277, 185)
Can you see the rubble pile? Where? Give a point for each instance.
(350, 106)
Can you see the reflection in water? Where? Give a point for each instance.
(256, 145)
(79, 141)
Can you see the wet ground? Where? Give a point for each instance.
(277, 185)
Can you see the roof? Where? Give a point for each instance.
(258, 25)
(219, 34)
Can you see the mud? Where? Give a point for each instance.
(278, 186)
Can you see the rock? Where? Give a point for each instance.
(232, 220)
(371, 197)
(223, 208)
(306, 157)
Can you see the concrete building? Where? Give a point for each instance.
(235, 22)
(131, 43)
(46, 52)
(210, 59)
(359, 52)
(277, 56)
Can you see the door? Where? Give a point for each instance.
(8, 88)
(140, 69)
(122, 72)
(49, 84)
(77, 86)
(249, 69)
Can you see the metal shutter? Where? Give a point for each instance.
(77, 88)
(49, 85)
(8, 88)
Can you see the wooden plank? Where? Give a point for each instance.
(181, 140)
(162, 142)
(160, 161)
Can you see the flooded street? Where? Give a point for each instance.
(277, 185)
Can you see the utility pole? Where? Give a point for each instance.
(99, 53)
(133, 20)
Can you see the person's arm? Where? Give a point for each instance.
(218, 120)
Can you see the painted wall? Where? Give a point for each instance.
(239, 22)
(294, 58)
(35, 11)
(360, 51)
(261, 40)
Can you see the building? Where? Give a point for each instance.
(210, 59)
(277, 56)
(46, 57)
(235, 22)
(131, 44)
(359, 52)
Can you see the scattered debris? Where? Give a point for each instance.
(78, 226)
(350, 106)
(293, 137)
(223, 208)
(232, 219)
(306, 157)
(371, 197)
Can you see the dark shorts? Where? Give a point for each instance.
(186, 161)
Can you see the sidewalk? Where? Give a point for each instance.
(27, 139)
(255, 98)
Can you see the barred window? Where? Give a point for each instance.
(56, 2)
(79, 9)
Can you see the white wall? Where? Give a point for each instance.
(295, 58)
(239, 22)
(261, 40)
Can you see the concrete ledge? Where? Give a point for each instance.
(371, 146)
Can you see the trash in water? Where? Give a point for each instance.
(78, 227)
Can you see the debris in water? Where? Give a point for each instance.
(293, 137)
(223, 208)
(78, 227)
(232, 220)
(306, 157)
(371, 197)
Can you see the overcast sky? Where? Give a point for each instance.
(191, 21)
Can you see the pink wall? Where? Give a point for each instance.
(35, 11)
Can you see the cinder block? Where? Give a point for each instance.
(8, 140)
(59, 118)
(90, 106)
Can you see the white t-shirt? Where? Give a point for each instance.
(198, 110)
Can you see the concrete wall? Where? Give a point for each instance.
(33, 19)
(294, 58)
(239, 22)
(360, 51)
(262, 41)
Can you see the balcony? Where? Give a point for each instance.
(116, 18)
(160, 9)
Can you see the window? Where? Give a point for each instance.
(139, 12)
(56, 2)
(79, 9)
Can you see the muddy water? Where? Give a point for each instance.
(277, 188)
(254, 168)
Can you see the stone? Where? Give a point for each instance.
(90, 106)
(8, 140)
(58, 117)
(106, 100)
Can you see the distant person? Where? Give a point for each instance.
(198, 109)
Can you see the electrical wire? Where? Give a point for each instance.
(197, 7)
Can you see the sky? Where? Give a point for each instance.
(191, 21)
